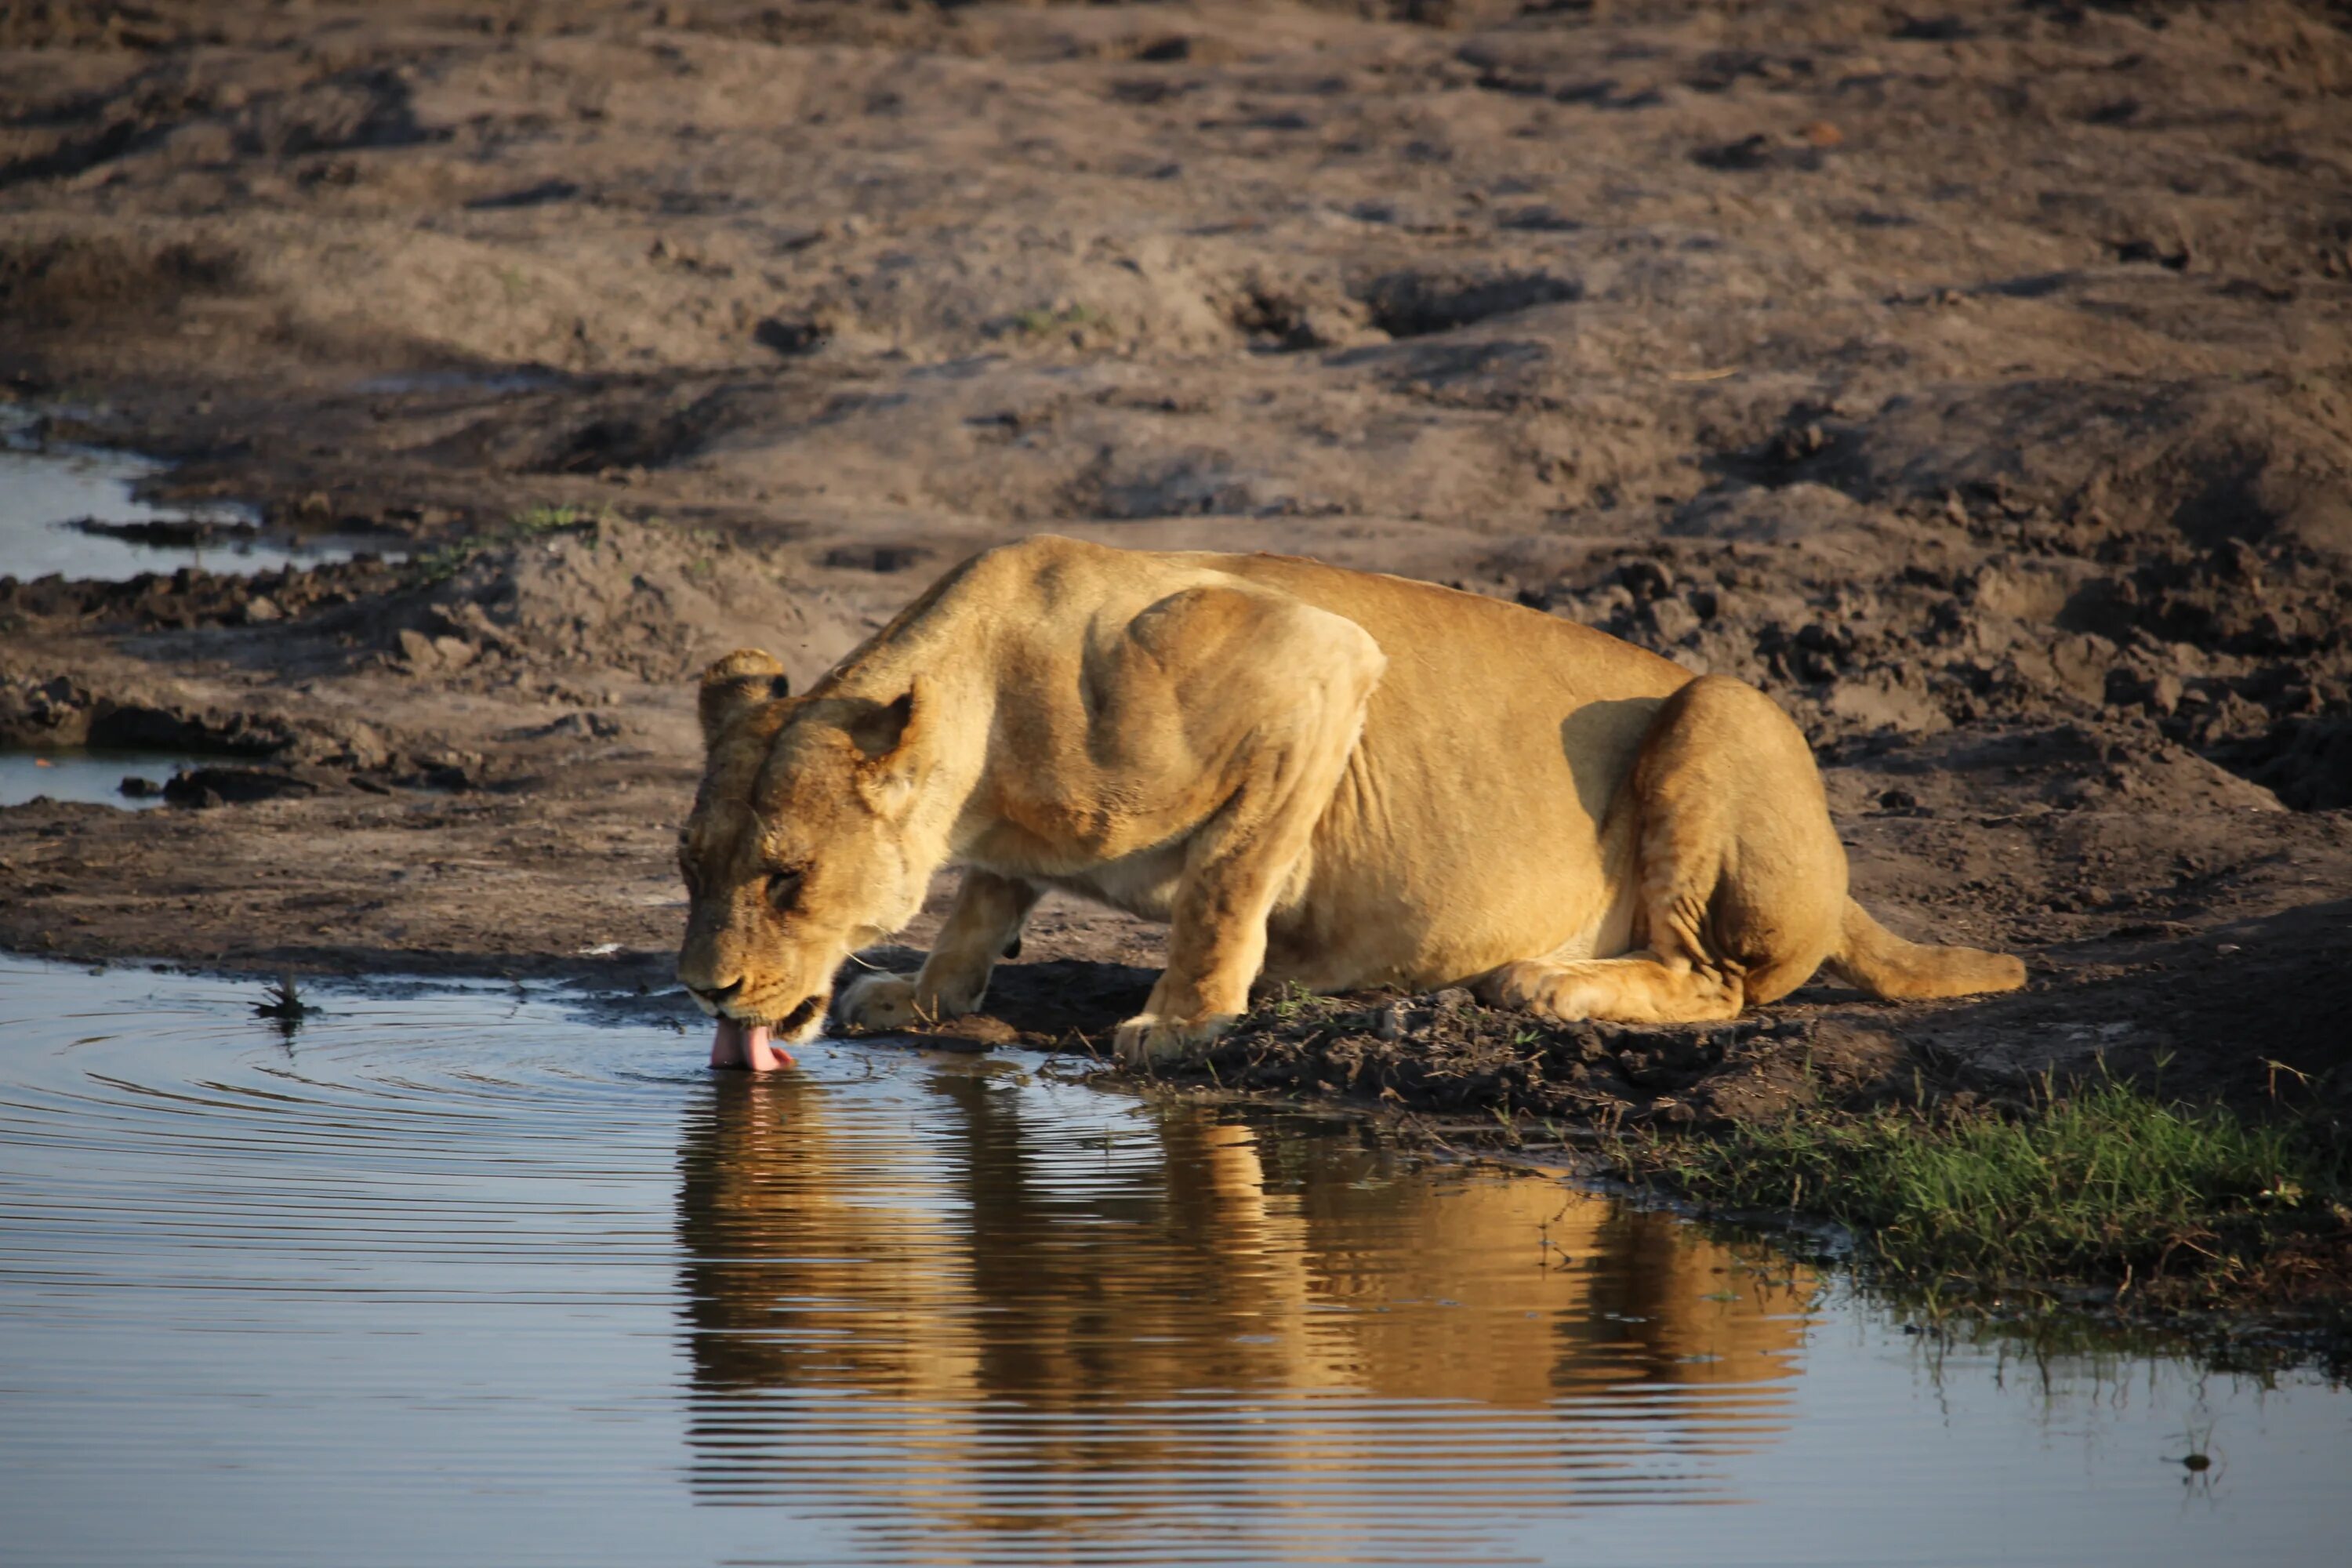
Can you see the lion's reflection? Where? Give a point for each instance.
(946, 1307)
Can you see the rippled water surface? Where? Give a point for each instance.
(474, 1275)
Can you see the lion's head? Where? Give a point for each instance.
(796, 852)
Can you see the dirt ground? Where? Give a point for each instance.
(1974, 378)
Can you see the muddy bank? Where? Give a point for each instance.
(1977, 385)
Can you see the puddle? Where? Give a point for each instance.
(90, 775)
(473, 1275)
(45, 490)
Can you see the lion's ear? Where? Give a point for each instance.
(735, 685)
(896, 740)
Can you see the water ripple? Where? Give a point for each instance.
(473, 1274)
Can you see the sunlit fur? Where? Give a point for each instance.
(1315, 776)
(799, 787)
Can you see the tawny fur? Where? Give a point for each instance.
(1315, 776)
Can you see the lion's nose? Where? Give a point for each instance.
(718, 995)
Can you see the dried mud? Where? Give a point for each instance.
(1977, 386)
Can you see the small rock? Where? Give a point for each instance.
(1674, 618)
(364, 748)
(261, 609)
(1798, 443)
(1644, 580)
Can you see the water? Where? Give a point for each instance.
(90, 775)
(470, 1275)
(44, 490)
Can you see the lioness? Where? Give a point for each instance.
(1313, 775)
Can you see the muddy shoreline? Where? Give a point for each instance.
(1980, 390)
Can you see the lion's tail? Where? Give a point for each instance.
(1886, 966)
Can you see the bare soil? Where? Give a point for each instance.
(1975, 379)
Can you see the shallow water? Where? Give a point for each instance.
(44, 490)
(89, 775)
(480, 1275)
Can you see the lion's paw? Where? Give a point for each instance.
(879, 1002)
(1148, 1039)
(1550, 991)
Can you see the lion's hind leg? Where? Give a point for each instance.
(1639, 988)
(1680, 977)
(1739, 878)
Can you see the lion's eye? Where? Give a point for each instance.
(784, 890)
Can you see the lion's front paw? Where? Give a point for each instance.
(1148, 1039)
(879, 1002)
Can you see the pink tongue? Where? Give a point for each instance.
(746, 1046)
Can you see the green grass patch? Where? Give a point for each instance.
(2101, 1182)
(439, 565)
